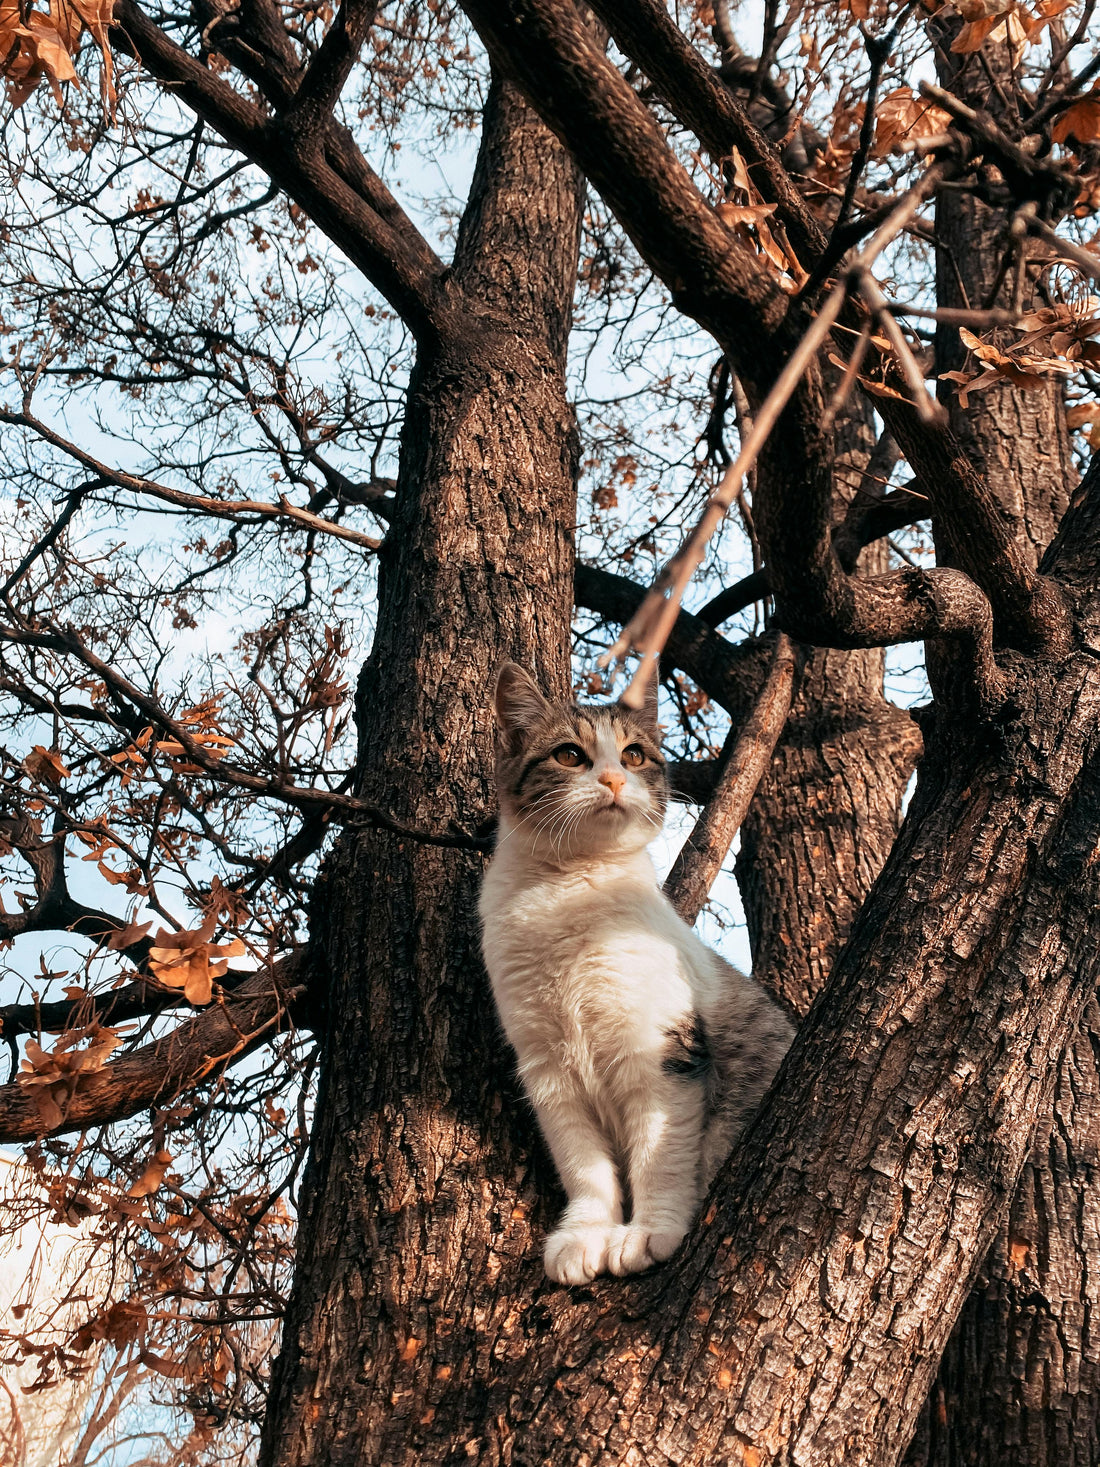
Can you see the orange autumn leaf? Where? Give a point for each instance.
(52, 1076)
(1081, 121)
(38, 45)
(152, 1176)
(126, 936)
(901, 117)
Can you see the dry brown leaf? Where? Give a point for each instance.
(152, 1176)
(1081, 121)
(128, 935)
(1084, 417)
(46, 764)
(189, 960)
(902, 116)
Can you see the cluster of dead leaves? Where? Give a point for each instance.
(100, 843)
(191, 962)
(1057, 341)
(744, 211)
(43, 763)
(53, 1076)
(36, 45)
(198, 725)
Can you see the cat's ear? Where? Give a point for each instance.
(647, 713)
(517, 701)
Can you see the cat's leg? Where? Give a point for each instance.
(664, 1132)
(576, 1251)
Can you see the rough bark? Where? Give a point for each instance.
(804, 1319)
(418, 1205)
(823, 820)
(1020, 1379)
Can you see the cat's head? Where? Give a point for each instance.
(575, 780)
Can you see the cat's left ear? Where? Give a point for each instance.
(647, 713)
(517, 701)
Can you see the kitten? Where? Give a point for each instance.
(642, 1051)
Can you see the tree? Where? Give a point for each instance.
(890, 1185)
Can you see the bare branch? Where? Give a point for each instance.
(236, 510)
(388, 249)
(865, 522)
(306, 798)
(724, 670)
(322, 84)
(712, 274)
(648, 629)
(54, 909)
(745, 762)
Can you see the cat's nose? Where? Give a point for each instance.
(614, 779)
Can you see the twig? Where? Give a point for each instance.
(878, 53)
(956, 316)
(928, 409)
(851, 372)
(200, 503)
(348, 807)
(648, 629)
(1087, 261)
(699, 862)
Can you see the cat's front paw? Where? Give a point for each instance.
(575, 1255)
(635, 1247)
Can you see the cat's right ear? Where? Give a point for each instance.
(517, 702)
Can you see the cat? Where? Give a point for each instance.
(642, 1051)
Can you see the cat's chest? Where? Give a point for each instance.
(584, 958)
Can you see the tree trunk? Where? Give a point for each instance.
(823, 820)
(843, 1239)
(1020, 1378)
(418, 1206)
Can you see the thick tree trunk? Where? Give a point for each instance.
(1020, 1379)
(418, 1207)
(805, 1320)
(823, 820)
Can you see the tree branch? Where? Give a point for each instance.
(712, 275)
(744, 763)
(54, 910)
(238, 511)
(129, 696)
(726, 672)
(865, 522)
(324, 80)
(156, 1073)
(389, 251)
(644, 31)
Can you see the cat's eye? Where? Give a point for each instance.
(569, 755)
(633, 756)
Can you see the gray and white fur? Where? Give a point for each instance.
(642, 1051)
